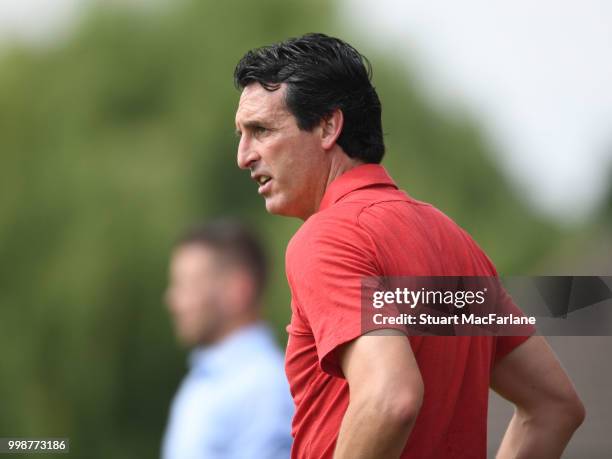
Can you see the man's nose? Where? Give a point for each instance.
(246, 154)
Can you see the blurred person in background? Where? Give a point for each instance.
(234, 402)
(309, 122)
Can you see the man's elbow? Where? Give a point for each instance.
(566, 411)
(401, 407)
(406, 412)
(569, 410)
(575, 412)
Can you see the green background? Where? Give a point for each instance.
(116, 138)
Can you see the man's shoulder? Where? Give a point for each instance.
(378, 224)
(261, 373)
(352, 214)
(347, 212)
(335, 225)
(261, 359)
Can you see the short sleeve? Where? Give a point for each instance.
(506, 344)
(325, 270)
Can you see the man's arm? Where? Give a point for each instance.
(386, 392)
(547, 408)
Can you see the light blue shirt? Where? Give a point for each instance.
(234, 402)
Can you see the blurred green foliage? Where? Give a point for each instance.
(113, 141)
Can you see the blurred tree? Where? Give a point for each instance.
(117, 138)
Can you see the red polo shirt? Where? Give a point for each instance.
(365, 226)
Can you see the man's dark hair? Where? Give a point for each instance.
(322, 74)
(234, 244)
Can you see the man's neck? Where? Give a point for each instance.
(341, 164)
(230, 328)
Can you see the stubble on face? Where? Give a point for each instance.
(272, 146)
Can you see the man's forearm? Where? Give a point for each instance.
(368, 432)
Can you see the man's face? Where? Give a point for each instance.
(288, 164)
(195, 295)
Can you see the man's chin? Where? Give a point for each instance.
(276, 208)
(281, 209)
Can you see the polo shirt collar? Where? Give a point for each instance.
(363, 176)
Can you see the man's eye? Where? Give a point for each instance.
(259, 130)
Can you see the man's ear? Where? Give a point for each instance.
(331, 127)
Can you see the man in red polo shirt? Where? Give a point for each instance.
(310, 132)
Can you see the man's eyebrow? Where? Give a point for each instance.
(251, 124)
(254, 124)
